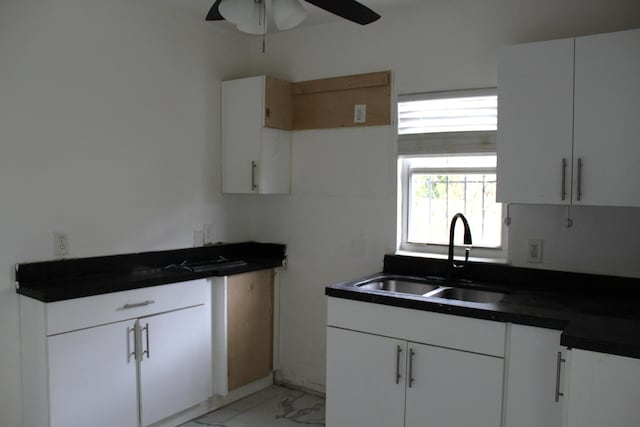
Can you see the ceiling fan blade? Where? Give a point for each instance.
(214, 12)
(348, 9)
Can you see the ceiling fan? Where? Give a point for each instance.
(249, 15)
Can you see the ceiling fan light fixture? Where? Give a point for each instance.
(288, 13)
(256, 22)
(237, 12)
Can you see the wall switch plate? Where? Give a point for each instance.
(360, 113)
(198, 238)
(60, 244)
(208, 234)
(534, 251)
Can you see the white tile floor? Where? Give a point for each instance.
(272, 407)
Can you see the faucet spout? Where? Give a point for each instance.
(467, 241)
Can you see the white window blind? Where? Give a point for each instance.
(455, 114)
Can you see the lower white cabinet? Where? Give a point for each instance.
(448, 387)
(92, 380)
(411, 374)
(364, 384)
(175, 362)
(147, 358)
(603, 390)
(535, 386)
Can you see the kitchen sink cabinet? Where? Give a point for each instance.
(256, 116)
(602, 390)
(363, 388)
(409, 373)
(567, 121)
(535, 372)
(128, 358)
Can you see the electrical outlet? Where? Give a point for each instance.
(198, 238)
(360, 113)
(60, 244)
(208, 234)
(534, 251)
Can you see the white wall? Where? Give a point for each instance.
(108, 131)
(340, 219)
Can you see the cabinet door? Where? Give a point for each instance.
(242, 118)
(92, 377)
(175, 364)
(452, 388)
(607, 135)
(275, 166)
(363, 389)
(535, 116)
(603, 390)
(534, 378)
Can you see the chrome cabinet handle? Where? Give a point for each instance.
(148, 350)
(558, 369)
(254, 165)
(136, 305)
(579, 179)
(129, 352)
(398, 376)
(411, 354)
(564, 178)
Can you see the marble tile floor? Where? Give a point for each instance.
(273, 407)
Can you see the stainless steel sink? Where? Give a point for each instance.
(430, 288)
(470, 295)
(400, 286)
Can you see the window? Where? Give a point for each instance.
(447, 164)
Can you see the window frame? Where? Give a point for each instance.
(469, 143)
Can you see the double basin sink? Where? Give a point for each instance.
(431, 288)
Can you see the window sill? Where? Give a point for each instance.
(489, 260)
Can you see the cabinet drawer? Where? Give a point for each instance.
(79, 313)
(443, 330)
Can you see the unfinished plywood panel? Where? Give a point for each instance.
(278, 112)
(249, 327)
(330, 103)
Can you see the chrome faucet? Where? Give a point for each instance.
(467, 242)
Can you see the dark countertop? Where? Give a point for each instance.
(595, 312)
(51, 281)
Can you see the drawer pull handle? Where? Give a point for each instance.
(137, 304)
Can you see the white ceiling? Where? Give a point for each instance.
(199, 8)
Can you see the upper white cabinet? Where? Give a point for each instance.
(567, 112)
(535, 122)
(607, 133)
(603, 390)
(256, 145)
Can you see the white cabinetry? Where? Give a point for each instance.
(128, 358)
(175, 362)
(603, 390)
(255, 158)
(567, 131)
(607, 135)
(92, 380)
(535, 377)
(535, 122)
(435, 370)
